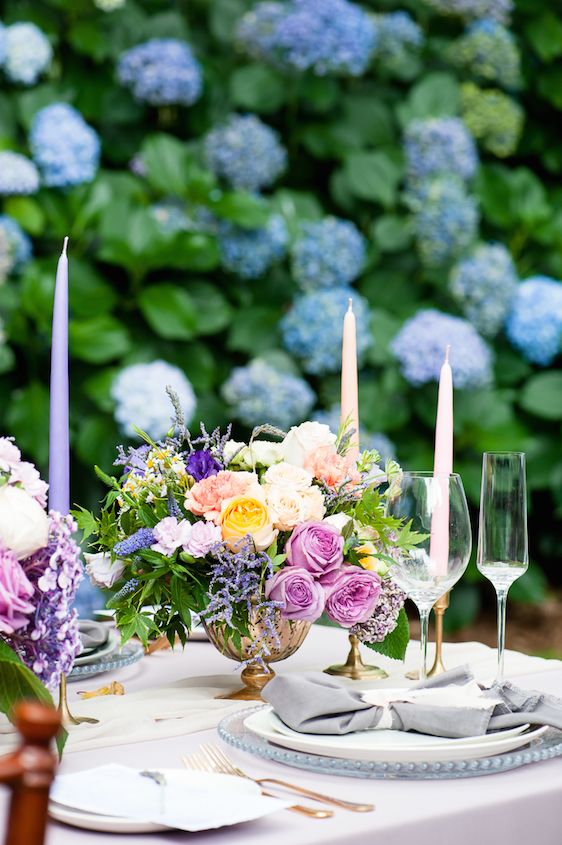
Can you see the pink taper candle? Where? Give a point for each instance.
(59, 446)
(443, 467)
(349, 391)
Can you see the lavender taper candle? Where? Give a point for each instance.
(59, 445)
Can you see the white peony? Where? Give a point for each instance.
(304, 438)
(24, 526)
(102, 571)
(338, 521)
(262, 453)
(288, 475)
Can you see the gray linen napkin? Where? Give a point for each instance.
(93, 634)
(317, 704)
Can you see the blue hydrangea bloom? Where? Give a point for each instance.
(445, 220)
(18, 175)
(250, 252)
(28, 53)
(3, 43)
(439, 145)
(139, 392)
(420, 348)
(497, 10)
(327, 254)
(484, 284)
(495, 119)
(161, 72)
(312, 329)
(489, 52)
(258, 393)
(323, 36)
(64, 147)
(534, 325)
(245, 152)
(15, 247)
(379, 442)
(170, 216)
(109, 5)
(399, 37)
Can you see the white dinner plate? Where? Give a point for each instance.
(389, 746)
(110, 646)
(101, 824)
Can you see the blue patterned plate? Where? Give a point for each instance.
(129, 654)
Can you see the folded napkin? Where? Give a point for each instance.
(450, 705)
(93, 634)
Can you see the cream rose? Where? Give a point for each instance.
(304, 438)
(286, 507)
(314, 504)
(338, 521)
(102, 570)
(262, 453)
(24, 526)
(288, 475)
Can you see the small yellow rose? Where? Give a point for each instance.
(244, 515)
(368, 558)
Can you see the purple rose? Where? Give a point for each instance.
(202, 465)
(300, 596)
(317, 547)
(353, 596)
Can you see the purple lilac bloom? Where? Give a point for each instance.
(202, 464)
(385, 615)
(328, 253)
(439, 145)
(421, 343)
(141, 539)
(161, 72)
(534, 325)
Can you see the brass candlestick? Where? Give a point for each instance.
(438, 668)
(354, 667)
(66, 715)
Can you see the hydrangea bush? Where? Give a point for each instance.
(230, 178)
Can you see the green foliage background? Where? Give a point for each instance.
(138, 294)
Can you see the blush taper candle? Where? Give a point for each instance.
(349, 389)
(443, 467)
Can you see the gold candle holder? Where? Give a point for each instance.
(438, 668)
(64, 709)
(354, 668)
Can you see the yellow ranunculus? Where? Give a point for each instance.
(244, 515)
(368, 559)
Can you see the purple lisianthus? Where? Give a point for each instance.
(204, 535)
(15, 593)
(202, 464)
(299, 594)
(316, 547)
(353, 596)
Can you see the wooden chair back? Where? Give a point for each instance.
(29, 772)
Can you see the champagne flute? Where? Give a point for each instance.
(435, 506)
(502, 534)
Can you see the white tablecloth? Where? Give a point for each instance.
(515, 807)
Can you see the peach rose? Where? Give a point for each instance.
(206, 498)
(245, 515)
(333, 469)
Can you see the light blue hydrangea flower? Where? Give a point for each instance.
(64, 147)
(323, 36)
(18, 175)
(3, 43)
(109, 5)
(399, 37)
(15, 247)
(139, 392)
(484, 284)
(161, 72)
(439, 145)
(28, 53)
(258, 393)
(312, 329)
(445, 220)
(497, 10)
(250, 252)
(420, 348)
(170, 216)
(534, 325)
(495, 119)
(379, 442)
(489, 52)
(245, 152)
(327, 254)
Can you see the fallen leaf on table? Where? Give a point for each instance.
(114, 688)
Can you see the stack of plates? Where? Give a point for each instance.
(107, 657)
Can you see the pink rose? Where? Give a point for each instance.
(317, 547)
(10, 455)
(207, 496)
(326, 465)
(27, 475)
(204, 535)
(170, 535)
(300, 596)
(15, 590)
(353, 596)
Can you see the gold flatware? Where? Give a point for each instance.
(201, 762)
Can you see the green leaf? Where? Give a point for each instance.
(255, 330)
(96, 441)
(244, 209)
(167, 162)
(392, 233)
(463, 608)
(435, 95)
(531, 588)
(394, 644)
(544, 33)
(7, 359)
(384, 327)
(511, 196)
(27, 212)
(213, 311)
(28, 420)
(542, 396)
(169, 311)
(258, 88)
(86, 521)
(98, 339)
(181, 598)
(373, 176)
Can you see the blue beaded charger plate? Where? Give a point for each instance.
(233, 731)
(126, 656)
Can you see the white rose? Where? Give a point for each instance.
(24, 527)
(338, 521)
(230, 449)
(286, 507)
(304, 438)
(102, 572)
(314, 504)
(288, 475)
(261, 453)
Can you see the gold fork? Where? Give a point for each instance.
(202, 762)
(224, 764)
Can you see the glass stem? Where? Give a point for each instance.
(424, 624)
(502, 602)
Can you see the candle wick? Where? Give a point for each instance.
(350, 306)
(65, 244)
(447, 350)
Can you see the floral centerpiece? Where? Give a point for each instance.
(226, 530)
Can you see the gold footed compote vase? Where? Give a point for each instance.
(290, 636)
(354, 668)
